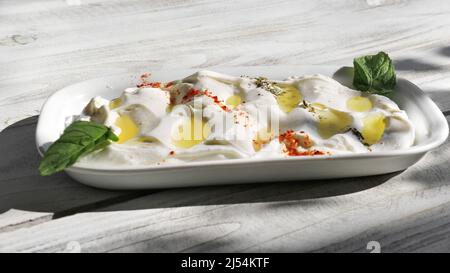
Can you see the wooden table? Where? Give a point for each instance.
(46, 45)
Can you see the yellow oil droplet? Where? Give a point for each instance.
(318, 105)
(359, 104)
(332, 122)
(373, 128)
(115, 103)
(289, 98)
(263, 136)
(191, 133)
(169, 108)
(128, 128)
(234, 101)
(147, 139)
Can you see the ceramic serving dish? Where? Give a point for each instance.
(431, 131)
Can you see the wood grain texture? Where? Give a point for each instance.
(404, 212)
(15, 219)
(21, 186)
(46, 45)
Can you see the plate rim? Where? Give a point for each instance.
(440, 138)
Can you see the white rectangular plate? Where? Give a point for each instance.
(431, 131)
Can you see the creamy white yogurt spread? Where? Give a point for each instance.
(213, 116)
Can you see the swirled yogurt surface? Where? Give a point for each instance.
(213, 116)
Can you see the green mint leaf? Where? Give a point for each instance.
(80, 138)
(374, 74)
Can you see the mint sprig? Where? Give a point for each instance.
(78, 139)
(374, 74)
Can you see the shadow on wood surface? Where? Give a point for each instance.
(275, 194)
(444, 51)
(415, 65)
(21, 186)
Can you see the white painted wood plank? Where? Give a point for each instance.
(21, 186)
(50, 46)
(406, 211)
(15, 219)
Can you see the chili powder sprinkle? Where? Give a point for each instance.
(292, 143)
(195, 92)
